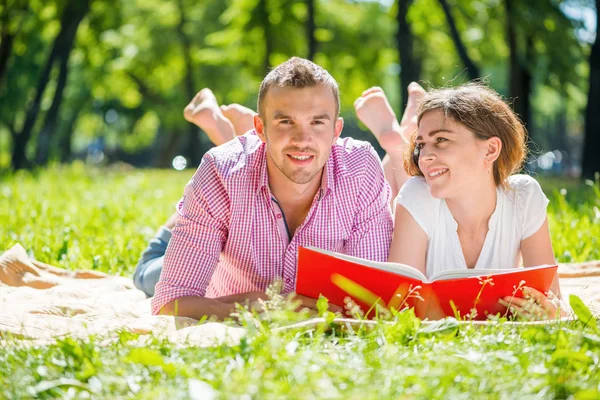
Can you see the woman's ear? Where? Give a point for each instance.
(493, 148)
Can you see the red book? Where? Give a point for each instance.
(337, 276)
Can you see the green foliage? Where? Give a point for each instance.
(54, 213)
(93, 219)
(131, 57)
(574, 219)
(394, 359)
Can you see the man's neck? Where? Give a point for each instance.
(288, 193)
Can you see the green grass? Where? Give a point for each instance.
(101, 219)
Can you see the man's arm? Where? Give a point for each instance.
(195, 246)
(220, 307)
(372, 226)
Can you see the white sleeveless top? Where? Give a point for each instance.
(519, 213)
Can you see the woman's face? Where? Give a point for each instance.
(453, 160)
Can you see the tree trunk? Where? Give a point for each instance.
(520, 78)
(72, 15)
(195, 148)
(409, 67)
(62, 147)
(6, 43)
(591, 143)
(264, 11)
(472, 69)
(310, 30)
(49, 126)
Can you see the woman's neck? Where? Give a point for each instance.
(472, 210)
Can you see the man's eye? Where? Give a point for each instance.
(318, 122)
(285, 121)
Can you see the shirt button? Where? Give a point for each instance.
(278, 215)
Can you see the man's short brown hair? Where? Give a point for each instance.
(298, 73)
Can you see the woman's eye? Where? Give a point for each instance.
(420, 145)
(441, 139)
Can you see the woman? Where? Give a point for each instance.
(463, 207)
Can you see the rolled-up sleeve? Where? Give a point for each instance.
(197, 239)
(373, 224)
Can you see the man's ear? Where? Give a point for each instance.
(259, 127)
(339, 125)
(493, 148)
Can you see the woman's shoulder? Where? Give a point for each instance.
(416, 190)
(416, 198)
(524, 188)
(415, 186)
(522, 181)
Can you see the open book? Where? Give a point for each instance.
(469, 292)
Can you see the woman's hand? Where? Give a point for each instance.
(536, 306)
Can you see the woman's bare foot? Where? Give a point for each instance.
(241, 117)
(408, 125)
(204, 112)
(374, 110)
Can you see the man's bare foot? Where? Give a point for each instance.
(204, 112)
(241, 117)
(374, 110)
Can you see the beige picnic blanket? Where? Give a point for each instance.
(39, 303)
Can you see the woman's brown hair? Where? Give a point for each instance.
(482, 111)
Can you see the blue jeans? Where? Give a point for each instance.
(147, 272)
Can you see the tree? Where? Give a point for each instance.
(520, 79)
(195, 150)
(472, 69)
(73, 13)
(409, 66)
(8, 32)
(591, 146)
(310, 29)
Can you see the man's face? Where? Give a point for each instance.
(299, 127)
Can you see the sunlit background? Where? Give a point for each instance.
(106, 81)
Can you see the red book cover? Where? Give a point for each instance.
(337, 276)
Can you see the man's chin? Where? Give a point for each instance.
(302, 177)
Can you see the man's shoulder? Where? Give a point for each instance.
(352, 157)
(241, 153)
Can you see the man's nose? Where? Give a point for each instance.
(302, 134)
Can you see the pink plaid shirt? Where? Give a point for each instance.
(227, 239)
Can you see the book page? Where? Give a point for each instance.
(395, 268)
(466, 273)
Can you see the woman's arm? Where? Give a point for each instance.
(409, 242)
(537, 250)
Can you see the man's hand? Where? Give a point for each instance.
(535, 305)
(250, 299)
(311, 304)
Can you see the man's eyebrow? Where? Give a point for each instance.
(281, 115)
(322, 116)
(434, 132)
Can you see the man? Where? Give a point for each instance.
(255, 199)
